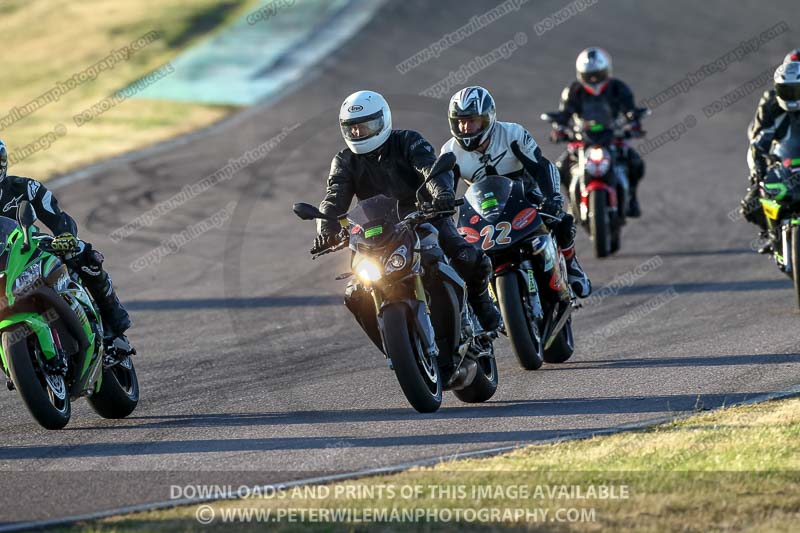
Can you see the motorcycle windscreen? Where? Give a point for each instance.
(488, 196)
(7, 226)
(596, 121)
(372, 221)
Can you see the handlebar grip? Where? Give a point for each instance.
(460, 202)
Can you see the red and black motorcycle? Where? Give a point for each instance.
(530, 273)
(598, 188)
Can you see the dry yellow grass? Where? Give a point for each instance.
(47, 41)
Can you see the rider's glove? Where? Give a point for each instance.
(444, 201)
(324, 240)
(65, 243)
(552, 208)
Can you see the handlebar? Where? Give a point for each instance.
(416, 217)
(344, 243)
(621, 127)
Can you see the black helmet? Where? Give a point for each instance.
(472, 102)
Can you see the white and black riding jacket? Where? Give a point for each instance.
(14, 189)
(513, 153)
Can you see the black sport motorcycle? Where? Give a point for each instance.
(599, 186)
(411, 303)
(530, 273)
(780, 201)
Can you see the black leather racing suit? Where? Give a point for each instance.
(575, 100)
(396, 170)
(766, 113)
(765, 127)
(87, 262)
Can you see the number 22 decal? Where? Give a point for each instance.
(503, 228)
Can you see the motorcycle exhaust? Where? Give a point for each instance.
(464, 375)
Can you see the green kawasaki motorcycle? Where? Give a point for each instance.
(52, 348)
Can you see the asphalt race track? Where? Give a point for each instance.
(253, 371)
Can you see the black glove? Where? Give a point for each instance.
(324, 241)
(552, 208)
(444, 201)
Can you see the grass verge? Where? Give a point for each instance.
(736, 469)
(48, 42)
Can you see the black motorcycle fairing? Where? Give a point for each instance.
(497, 213)
(447, 325)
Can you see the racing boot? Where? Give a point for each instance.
(578, 280)
(484, 308)
(633, 210)
(115, 318)
(750, 208)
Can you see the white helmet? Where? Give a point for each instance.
(787, 86)
(366, 121)
(467, 103)
(593, 68)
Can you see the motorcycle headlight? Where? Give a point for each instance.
(28, 279)
(397, 260)
(368, 270)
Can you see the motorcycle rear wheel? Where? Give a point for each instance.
(563, 346)
(795, 261)
(483, 386)
(599, 223)
(119, 392)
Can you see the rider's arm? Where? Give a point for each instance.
(757, 152)
(446, 148)
(421, 156)
(339, 192)
(569, 101)
(624, 96)
(536, 164)
(46, 206)
(765, 117)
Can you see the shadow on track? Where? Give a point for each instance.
(708, 286)
(492, 409)
(689, 253)
(719, 360)
(202, 304)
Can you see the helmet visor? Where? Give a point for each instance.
(593, 78)
(788, 92)
(362, 128)
(469, 126)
